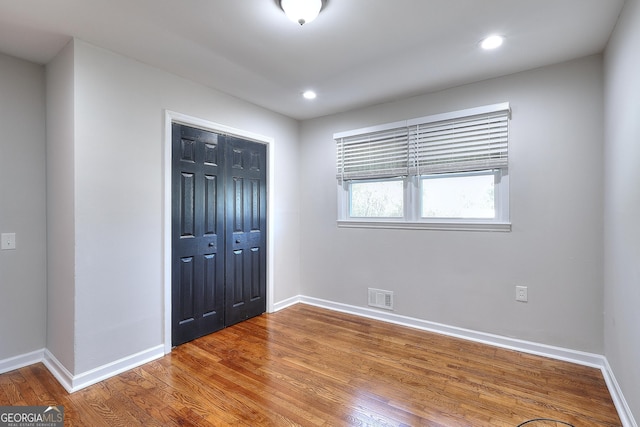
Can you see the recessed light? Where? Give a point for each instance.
(492, 42)
(309, 94)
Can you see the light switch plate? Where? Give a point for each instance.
(8, 241)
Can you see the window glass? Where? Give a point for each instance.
(458, 196)
(376, 199)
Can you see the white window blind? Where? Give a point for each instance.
(461, 141)
(377, 154)
(462, 144)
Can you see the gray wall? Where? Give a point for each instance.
(622, 204)
(61, 238)
(117, 203)
(468, 279)
(22, 207)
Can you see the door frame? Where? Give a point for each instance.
(171, 117)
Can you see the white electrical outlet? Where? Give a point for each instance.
(8, 241)
(521, 294)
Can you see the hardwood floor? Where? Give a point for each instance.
(309, 366)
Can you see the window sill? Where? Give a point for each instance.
(442, 225)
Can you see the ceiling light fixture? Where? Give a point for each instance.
(309, 94)
(302, 11)
(492, 42)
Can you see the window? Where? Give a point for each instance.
(376, 199)
(469, 195)
(445, 171)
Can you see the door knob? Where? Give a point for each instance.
(211, 244)
(238, 241)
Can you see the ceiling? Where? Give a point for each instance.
(356, 53)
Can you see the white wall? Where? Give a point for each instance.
(22, 207)
(622, 204)
(468, 279)
(118, 188)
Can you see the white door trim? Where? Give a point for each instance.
(174, 117)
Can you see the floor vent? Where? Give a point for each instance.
(381, 299)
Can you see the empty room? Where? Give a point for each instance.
(320, 212)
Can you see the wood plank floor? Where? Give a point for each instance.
(308, 366)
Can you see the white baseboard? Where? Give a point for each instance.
(114, 368)
(286, 303)
(57, 369)
(21, 361)
(574, 356)
(624, 411)
(73, 383)
(559, 353)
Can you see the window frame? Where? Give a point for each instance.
(412, 185)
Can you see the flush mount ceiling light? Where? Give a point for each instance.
(492, 42)
(302, 11)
